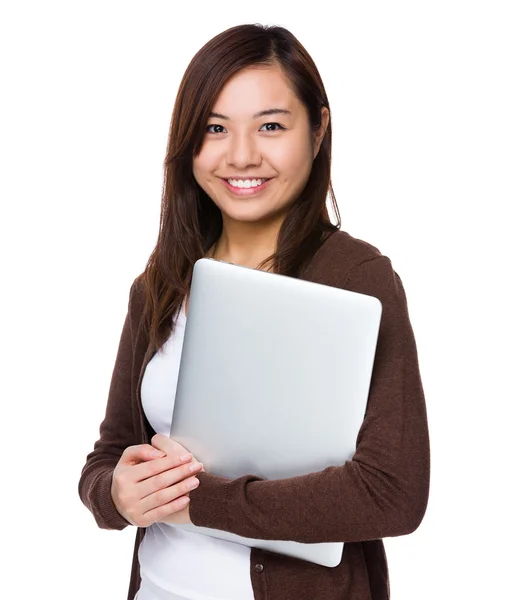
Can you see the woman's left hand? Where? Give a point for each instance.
(168, 446)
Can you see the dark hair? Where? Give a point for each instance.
(190, 222)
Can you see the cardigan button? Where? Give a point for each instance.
(258, 568)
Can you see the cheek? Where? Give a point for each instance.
(292, 158)
(201, 169)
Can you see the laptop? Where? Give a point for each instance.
(267, 360)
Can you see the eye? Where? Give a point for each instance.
(278, 125)
(213, 125)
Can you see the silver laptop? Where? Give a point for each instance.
(267, 361)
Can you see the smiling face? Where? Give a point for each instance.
(242, 143)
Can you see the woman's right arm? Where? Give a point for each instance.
(116, 432)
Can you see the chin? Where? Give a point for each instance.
(251, 214)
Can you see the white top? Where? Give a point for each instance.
(176, 564)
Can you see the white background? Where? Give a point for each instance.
(419, 98)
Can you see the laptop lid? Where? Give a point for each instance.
(268, 360)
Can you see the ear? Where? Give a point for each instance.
(319, 134)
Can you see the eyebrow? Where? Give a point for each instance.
(262, 113)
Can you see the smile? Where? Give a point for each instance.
(246, 191)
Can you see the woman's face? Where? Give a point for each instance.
(241, 144)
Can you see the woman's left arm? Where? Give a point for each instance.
(383, 490)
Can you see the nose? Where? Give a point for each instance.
(242, 152)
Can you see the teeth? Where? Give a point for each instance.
(247, 183)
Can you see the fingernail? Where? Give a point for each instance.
(158, 453)
(193, 483)
(185, 457)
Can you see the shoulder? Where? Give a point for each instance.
(343, 240)
(341, 255)
(356, 265)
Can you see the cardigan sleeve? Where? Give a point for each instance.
(116, 433)
(383, 490)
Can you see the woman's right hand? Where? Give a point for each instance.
(147, 487)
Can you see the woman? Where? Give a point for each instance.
(247, 174)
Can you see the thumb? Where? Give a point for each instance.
(134, 455)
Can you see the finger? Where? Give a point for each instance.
(167, 479)
(168, 494)
(141, 453)
(148, 469)
(161, 512)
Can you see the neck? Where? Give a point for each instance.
(246, 244)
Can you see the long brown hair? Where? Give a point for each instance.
(190, 222)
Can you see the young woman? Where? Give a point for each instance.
(247, 173)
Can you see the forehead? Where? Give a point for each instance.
(253, 89)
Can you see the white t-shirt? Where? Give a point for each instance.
(176, 564)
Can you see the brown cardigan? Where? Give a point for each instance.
(381, 492)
